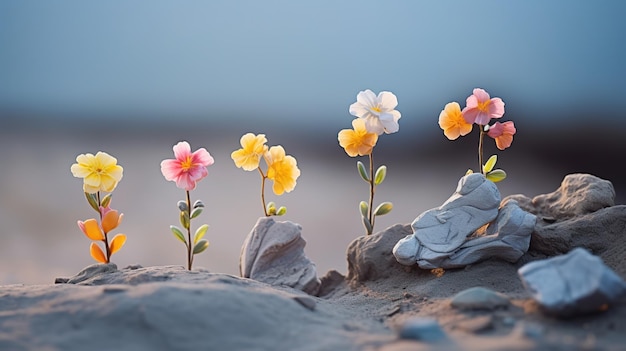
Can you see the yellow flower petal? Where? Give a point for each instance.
(452, 122)
(110, 221)
(249, 156)
(282, 169)
(99, 172)
(97, 253)
(357, 141)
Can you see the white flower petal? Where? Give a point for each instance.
(389, 122)
(367, 98)
(358, 110)
(388, 101)
(373, 125)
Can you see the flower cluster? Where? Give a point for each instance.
(282, 169)
(376, 114)
(100, 173)
(480, 109)
(186, 169)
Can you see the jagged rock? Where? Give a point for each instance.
(572, 284)
(579, 194)
(88, 273)
(273, 253)
(454, 234)
(370, 257)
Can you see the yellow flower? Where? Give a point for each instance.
(452, 122)
(357, 141)
(252, 148)
(283, 170)
(100, 172)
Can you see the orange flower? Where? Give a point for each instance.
(357, 141)
(452, 122)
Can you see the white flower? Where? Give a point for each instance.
(378, 111)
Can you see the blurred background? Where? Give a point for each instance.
(133, 78)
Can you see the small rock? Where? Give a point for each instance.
(422, 329)
(572, 284)
(479, 298)
(273, 253)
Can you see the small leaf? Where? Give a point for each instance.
(271, 208)
(96, 253)
(368, 226)
(200, 246)
(200, 233)
(496, 175)
(361, 167)
(196, 212)
(381, 173)
(182, 206)
(198, 203)
(106, 200)
(383, 209)
(364, 208)
(469, 171)
(491, 162)
(93, 201)
(184, 219)
(281, 211)
(116, 244)
(91, 228)
(178, 234)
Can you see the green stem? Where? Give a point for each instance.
(263, 177)
(189, 245)
(372, 187)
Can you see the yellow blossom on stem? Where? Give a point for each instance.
(100, 172)
(452, 122)
(357, 141)
(252, 149)
(282, 169)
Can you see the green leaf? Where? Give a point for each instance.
(178, 234)
(184, 219)
(200, 233)
(196, 212)
(368, 225)
(491, 162)
(383, 209)
(361, 167)
(381, 172)
(364, 209)
(198, 203)
(106, 200)
(271, 208)
(496, 175)
(182, 205)
(200, 246)
(281, 211)
(93, 201)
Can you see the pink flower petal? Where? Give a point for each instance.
(170, 169)
(182, 150)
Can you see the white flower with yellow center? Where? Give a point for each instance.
(378, 111)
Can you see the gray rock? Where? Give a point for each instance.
(579, 194)
(479, 298)
(369, 256)
(455, 234)
(273, 253)
(572, 284)
(88, 273)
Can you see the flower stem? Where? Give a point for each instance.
(189, 242)
(372, 187)
(263, 177)
(480, 148)
(106, 238)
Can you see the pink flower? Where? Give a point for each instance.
(503, 133)
(188, 168)
(480, 108)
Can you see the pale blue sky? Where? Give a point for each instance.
(307, 60)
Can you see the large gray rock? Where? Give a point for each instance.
(455, 234)
(273, 253)
(572, 284)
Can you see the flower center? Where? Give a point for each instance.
(186, 164)
(376, 108)
(483, 106)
